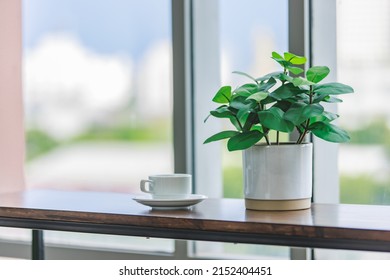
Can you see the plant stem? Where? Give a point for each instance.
(277, 137)
(302, 136)
(267, 139)
(239, 123)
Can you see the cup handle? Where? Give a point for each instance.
(143, 186)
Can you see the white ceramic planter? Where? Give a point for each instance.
(278, 177)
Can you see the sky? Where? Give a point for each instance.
(129, 26)
(114, 26)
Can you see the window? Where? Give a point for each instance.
(364, 61)
(98, 94)
(362, 52)
(43, 130)
(97, 82)
(247, 37)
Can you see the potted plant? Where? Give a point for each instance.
(278, 175)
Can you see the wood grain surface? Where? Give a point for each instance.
(322, 221)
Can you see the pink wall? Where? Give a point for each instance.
(11, 103)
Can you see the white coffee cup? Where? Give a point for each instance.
(168, 186)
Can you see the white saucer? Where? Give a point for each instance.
(170, 204)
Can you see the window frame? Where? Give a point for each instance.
(323, 51)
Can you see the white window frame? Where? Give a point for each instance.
(196, 61)
(324, 52)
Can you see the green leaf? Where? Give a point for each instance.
(312, 110)
(285, 78)
(288, 60)
(244, 107)
(329, 132)
(223, 95)
(244, 140)
(295, 114)
(266, 86)
(222, 112)
(326, 98)
(316, 74)
(332, 99)
(268, 76)
(241, 102)
(299, 81)
(294, 70)
(282, 62)
(258, 96)
(258, 128)
(284, 105)
(269, 100)
(251, 121)
(221, 135)
(329, 115)
(235, 123)
(332, 89)
(300, 113)
(279, 59)
(285, 91)
(299, 98)
(242, 115)
(246, 75)
(324, 117)
(276, 55)
(294, 59)
(273, 119)
(319, 97)
(246, 90)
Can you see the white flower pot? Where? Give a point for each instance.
(278, 177)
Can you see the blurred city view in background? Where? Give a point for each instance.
(363, 53)
(98, 94)
(98, 90)
(97, 82)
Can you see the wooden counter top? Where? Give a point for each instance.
(360, 227)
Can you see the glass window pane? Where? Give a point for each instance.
(98, 95)
(364, 62)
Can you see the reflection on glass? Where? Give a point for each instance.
(97, 88)
(364, 61)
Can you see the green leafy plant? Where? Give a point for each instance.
(281, 101)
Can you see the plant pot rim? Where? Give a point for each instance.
(285, 144)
